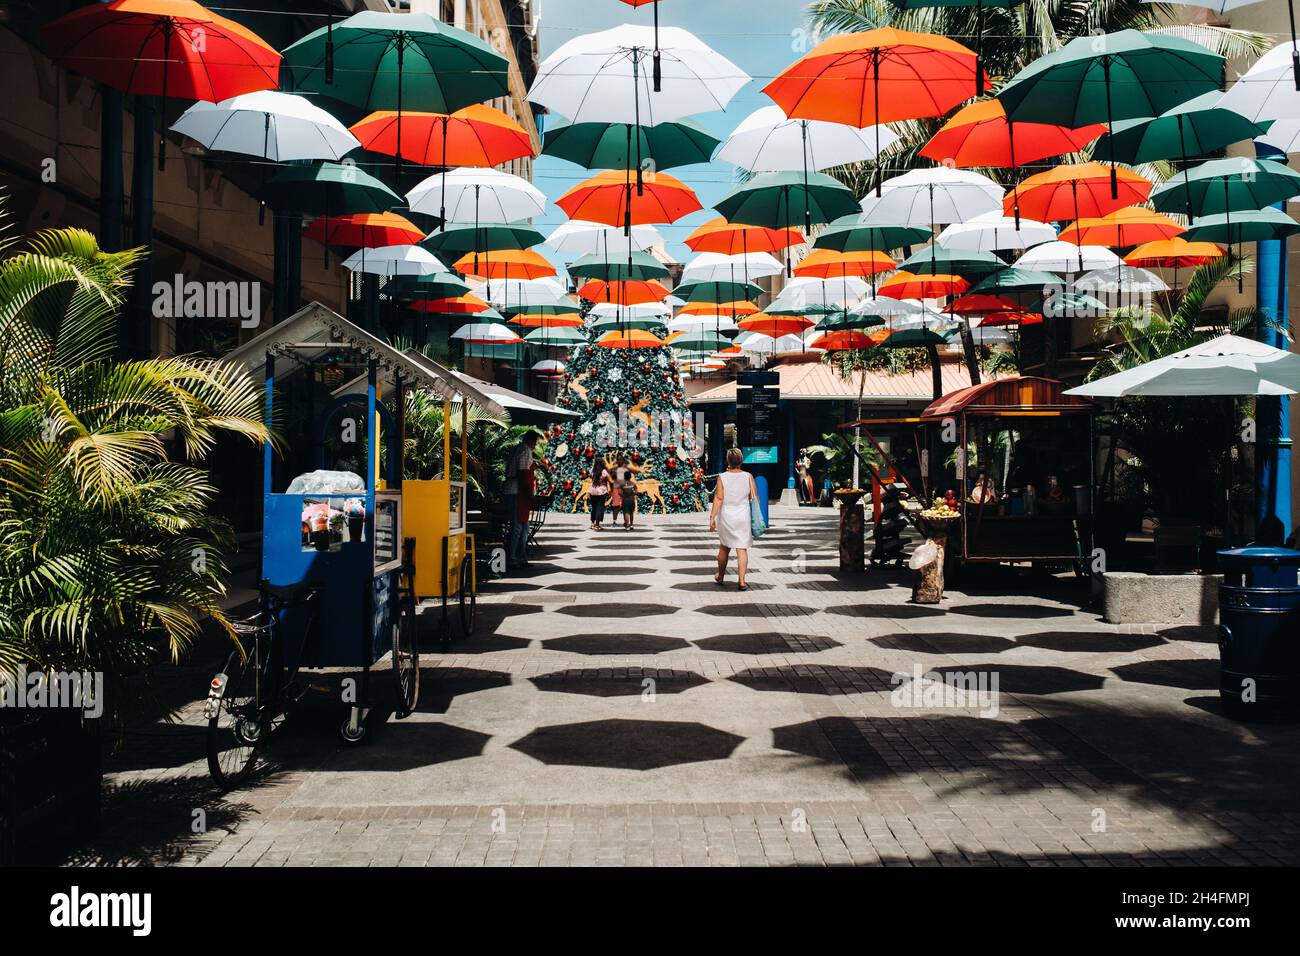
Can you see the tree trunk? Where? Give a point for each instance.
(968, 349)
(936, 372)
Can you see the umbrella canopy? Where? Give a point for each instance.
(1015, 318)
(457, 238)
(475, 135)
(980, 303)
(627, 146)
(467, 304)
(528, 292)
(606, 77)
(936, 259)
(716, 267)
(608, 197)
(505, 264)
(841, 321)
(933, 196)
(842, 340)
(432, 285)
(912, 338)
(637, 266)
(580, 237)
(769, 141)
(404, 260)
(1228, 185)
(486, 333)
(733, 309)
(1254, 225)
(805, 295)
(728, 238)
(1227, 365)
(1195, 128)
(783, 199)
(364, 230)
(905, 285)
(716, 290)
(889, 308)
(1175, 253)
(1061, 256)
(268, 124)
(711, 323)
(539, 320)
(1121, 278)
(631, 339)
(1270, 89)
(478, 196)
(699, 340)
(639, 310)
(774, 326)
(631, 292)
(1016, 281)
(324, 189)
(1129, 226)
(555, 337)
(854, 233)
(1075, 191)
(548, 367)
(562, 307)
(828, 264)
(992, 231)
(980, 135)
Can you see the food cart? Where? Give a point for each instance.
(1017, 456)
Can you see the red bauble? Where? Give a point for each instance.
(645, 366)
(663, 397)
(591, 370)
(571, 436)
(568, 485)
(677, 396)
(600, 402)
(671, 463)
(590, 452)
(676, 499)
(636, 393)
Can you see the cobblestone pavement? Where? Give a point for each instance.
(616, 707)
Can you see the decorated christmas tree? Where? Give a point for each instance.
(632, 403)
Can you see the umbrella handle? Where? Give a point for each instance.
(658, 73)
(162, 103)
(329, 50)
(1295, 51)
(979, 47)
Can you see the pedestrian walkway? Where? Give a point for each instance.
(617, 707)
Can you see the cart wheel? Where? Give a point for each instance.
(406, 660)
(468, 599)
(352, 733)
(236, 725)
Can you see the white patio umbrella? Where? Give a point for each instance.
(486, 333)
(993, 232)
(807, 291)
(1122, 278)
(695, 323)
(394, 261)
(1227, 366)
(271, 125)
(641, 310)
(932, 196)
(606, 77)
(548, 367)
(1061, 256)
(887, 308)
(1269, 89)
(719, 267)
(577, 237)
(477, 196)
(769, 141)
(1284, 134)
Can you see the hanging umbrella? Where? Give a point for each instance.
(1061, 256)
(638, 266)
(840, 79)
(717, 267)
(1121, 278)
(623, 324)
(1283, 135)
(1198, 127)
(270, 125)
(538, 320)
(854, 233)
(695, 323)
(730, 238)
(716, 291)
(632, 339)
(364, 230)
(733, 309)
(1227, 185)
(781, 200)
(405, 260)
(905, 285)
(486, 333)
(548, 367)
(612, 145)
(939, 259)
(1016, 281)
(1076, 191)
(431, 285)
(811, 296)
(530, 292)
(457, 238)
(467, 304)
(992, 231)
(1130, 74)
(397, 61)
(630, 292)
(475, 135)
(912, 338)
(1175, 253)
(980, 6)
(889, 308)
(842, 341)
(324, 189)
(505, 264)
(564, 307)
(477, 196)
(847, 321)
(775, 326)
(555, 338)
(1227, 365)
(163, 48)
(608, 198)
(1268, 89)
(1013, 318)
(981, 303)
(698, 340)
(981, 135)
(933, 196)
(1129, 226)
(828, 264)
(639, 310)
(579, 237)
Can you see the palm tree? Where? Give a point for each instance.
(108, 554)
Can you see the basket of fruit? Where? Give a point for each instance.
(941, 513)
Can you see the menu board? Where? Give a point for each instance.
(388, 528)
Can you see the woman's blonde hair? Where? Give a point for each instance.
(735, 458)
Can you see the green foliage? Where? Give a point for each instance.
(837, 449)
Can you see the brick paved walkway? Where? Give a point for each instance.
(616, 707)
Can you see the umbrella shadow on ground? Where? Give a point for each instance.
(944, 642)
(651, 681)
(410, 745)
(627, 744)
(439, 687)
(1189, 674)
(601, 644)
(489, 588)
(160, 745)
(897, 611)
(729, 585)
(757, 610)
(623, 610)
(1090, 641)
(597, 587)
(1017, 612)
(1192, 633)
(537, 570)
(767, 642)
(826, 680)
(1029, 678)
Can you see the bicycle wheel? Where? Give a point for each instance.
(468, 600)
(237, 724)
(406, 659)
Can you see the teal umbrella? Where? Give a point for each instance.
(717, 291)
(980, 6)
(638, 266)
(1228, 185)
(435, 285)
(458, 238)
(698, 340)
(628, 146)
(327, 189)
(784, 199)
(1255, 225)
(1012, 281)
(396, 61)
(555, 337)
(913, 338)
(939, 260)
(847, 321)
(1068, 304)
(554, 308)
(852, 234)
(1115, 76)
(614, 324)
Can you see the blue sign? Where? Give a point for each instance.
(761, 455)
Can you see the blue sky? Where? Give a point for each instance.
(759, 36)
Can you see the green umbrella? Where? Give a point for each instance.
(638, 266)
(1068, 303)
(458, 238)
(913, 338)
(1012, 281)
(808, 308)
(1114, 76)
(555, 308)
(980, 6)
(557, 337)
(1228, 185)
(784, 199)
(1255, 225)
(435, 285)
(327, 189)
(396, 61)
(852, 234)
(717, 291)
(847, 321)
(938, 260)
(698, 340)
(628, 146)
(614, 324)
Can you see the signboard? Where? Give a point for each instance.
(767, 455)
(756, 415)
(758, 377)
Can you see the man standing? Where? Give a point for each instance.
(518, 495)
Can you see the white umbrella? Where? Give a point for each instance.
(803, 291)
(769, 141)
(1061, 256)
(269, 124)
(477, 196)
(606, 77)
(544, 291)
(1268, 89)
(1227, 365)
(886, 307)
(642, 310)
(932, 196)
(695, 323)
(1123, 278)
(993, 335)
(578, 237)
(486, 333)
(1217, 6)
(1284, 135)
(548, 367)
(992, 232)
(718, 267)
(394, 261)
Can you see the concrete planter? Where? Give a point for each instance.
(1130, 597)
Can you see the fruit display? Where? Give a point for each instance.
(940, 510)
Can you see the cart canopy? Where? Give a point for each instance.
(1014, 395)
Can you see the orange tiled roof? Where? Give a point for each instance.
(813, 381)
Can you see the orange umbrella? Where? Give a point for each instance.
(608, 197)
(1074, 191)
(633, 292)
(364, 229)
(775, 325)
(1173, 253)
(841, 79)
(979, 135)
(544, 320)
(731, 309)
(730, 239)
(830, 264)
(1010, 318)
(843, 340)
(467, 304)
(633, 339)
(474, 136)
(906, 285)
(982, 304)
(505, 264)
(1129, 226)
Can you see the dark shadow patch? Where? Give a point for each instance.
(747, 609)
(628, 682)
(815, 679)
(901, 612)
(1011, 611)
(945, 642)
(1089, 641)
(767, 642)
(595, 645)
(617, 609)
(409, 745)
(1192, 674)
(627, 744)
(597, 587)
(439, 687)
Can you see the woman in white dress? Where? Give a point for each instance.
(730, 516)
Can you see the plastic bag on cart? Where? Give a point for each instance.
(323, 482)
(925, 554)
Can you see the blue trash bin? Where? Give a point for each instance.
(1259, 633)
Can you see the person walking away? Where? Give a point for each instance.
(625, 478)
(730, 516)
(518, 495)
(597, 492)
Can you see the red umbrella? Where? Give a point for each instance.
(164, 48)
(368, 230)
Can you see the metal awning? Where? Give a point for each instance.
(523, 409)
